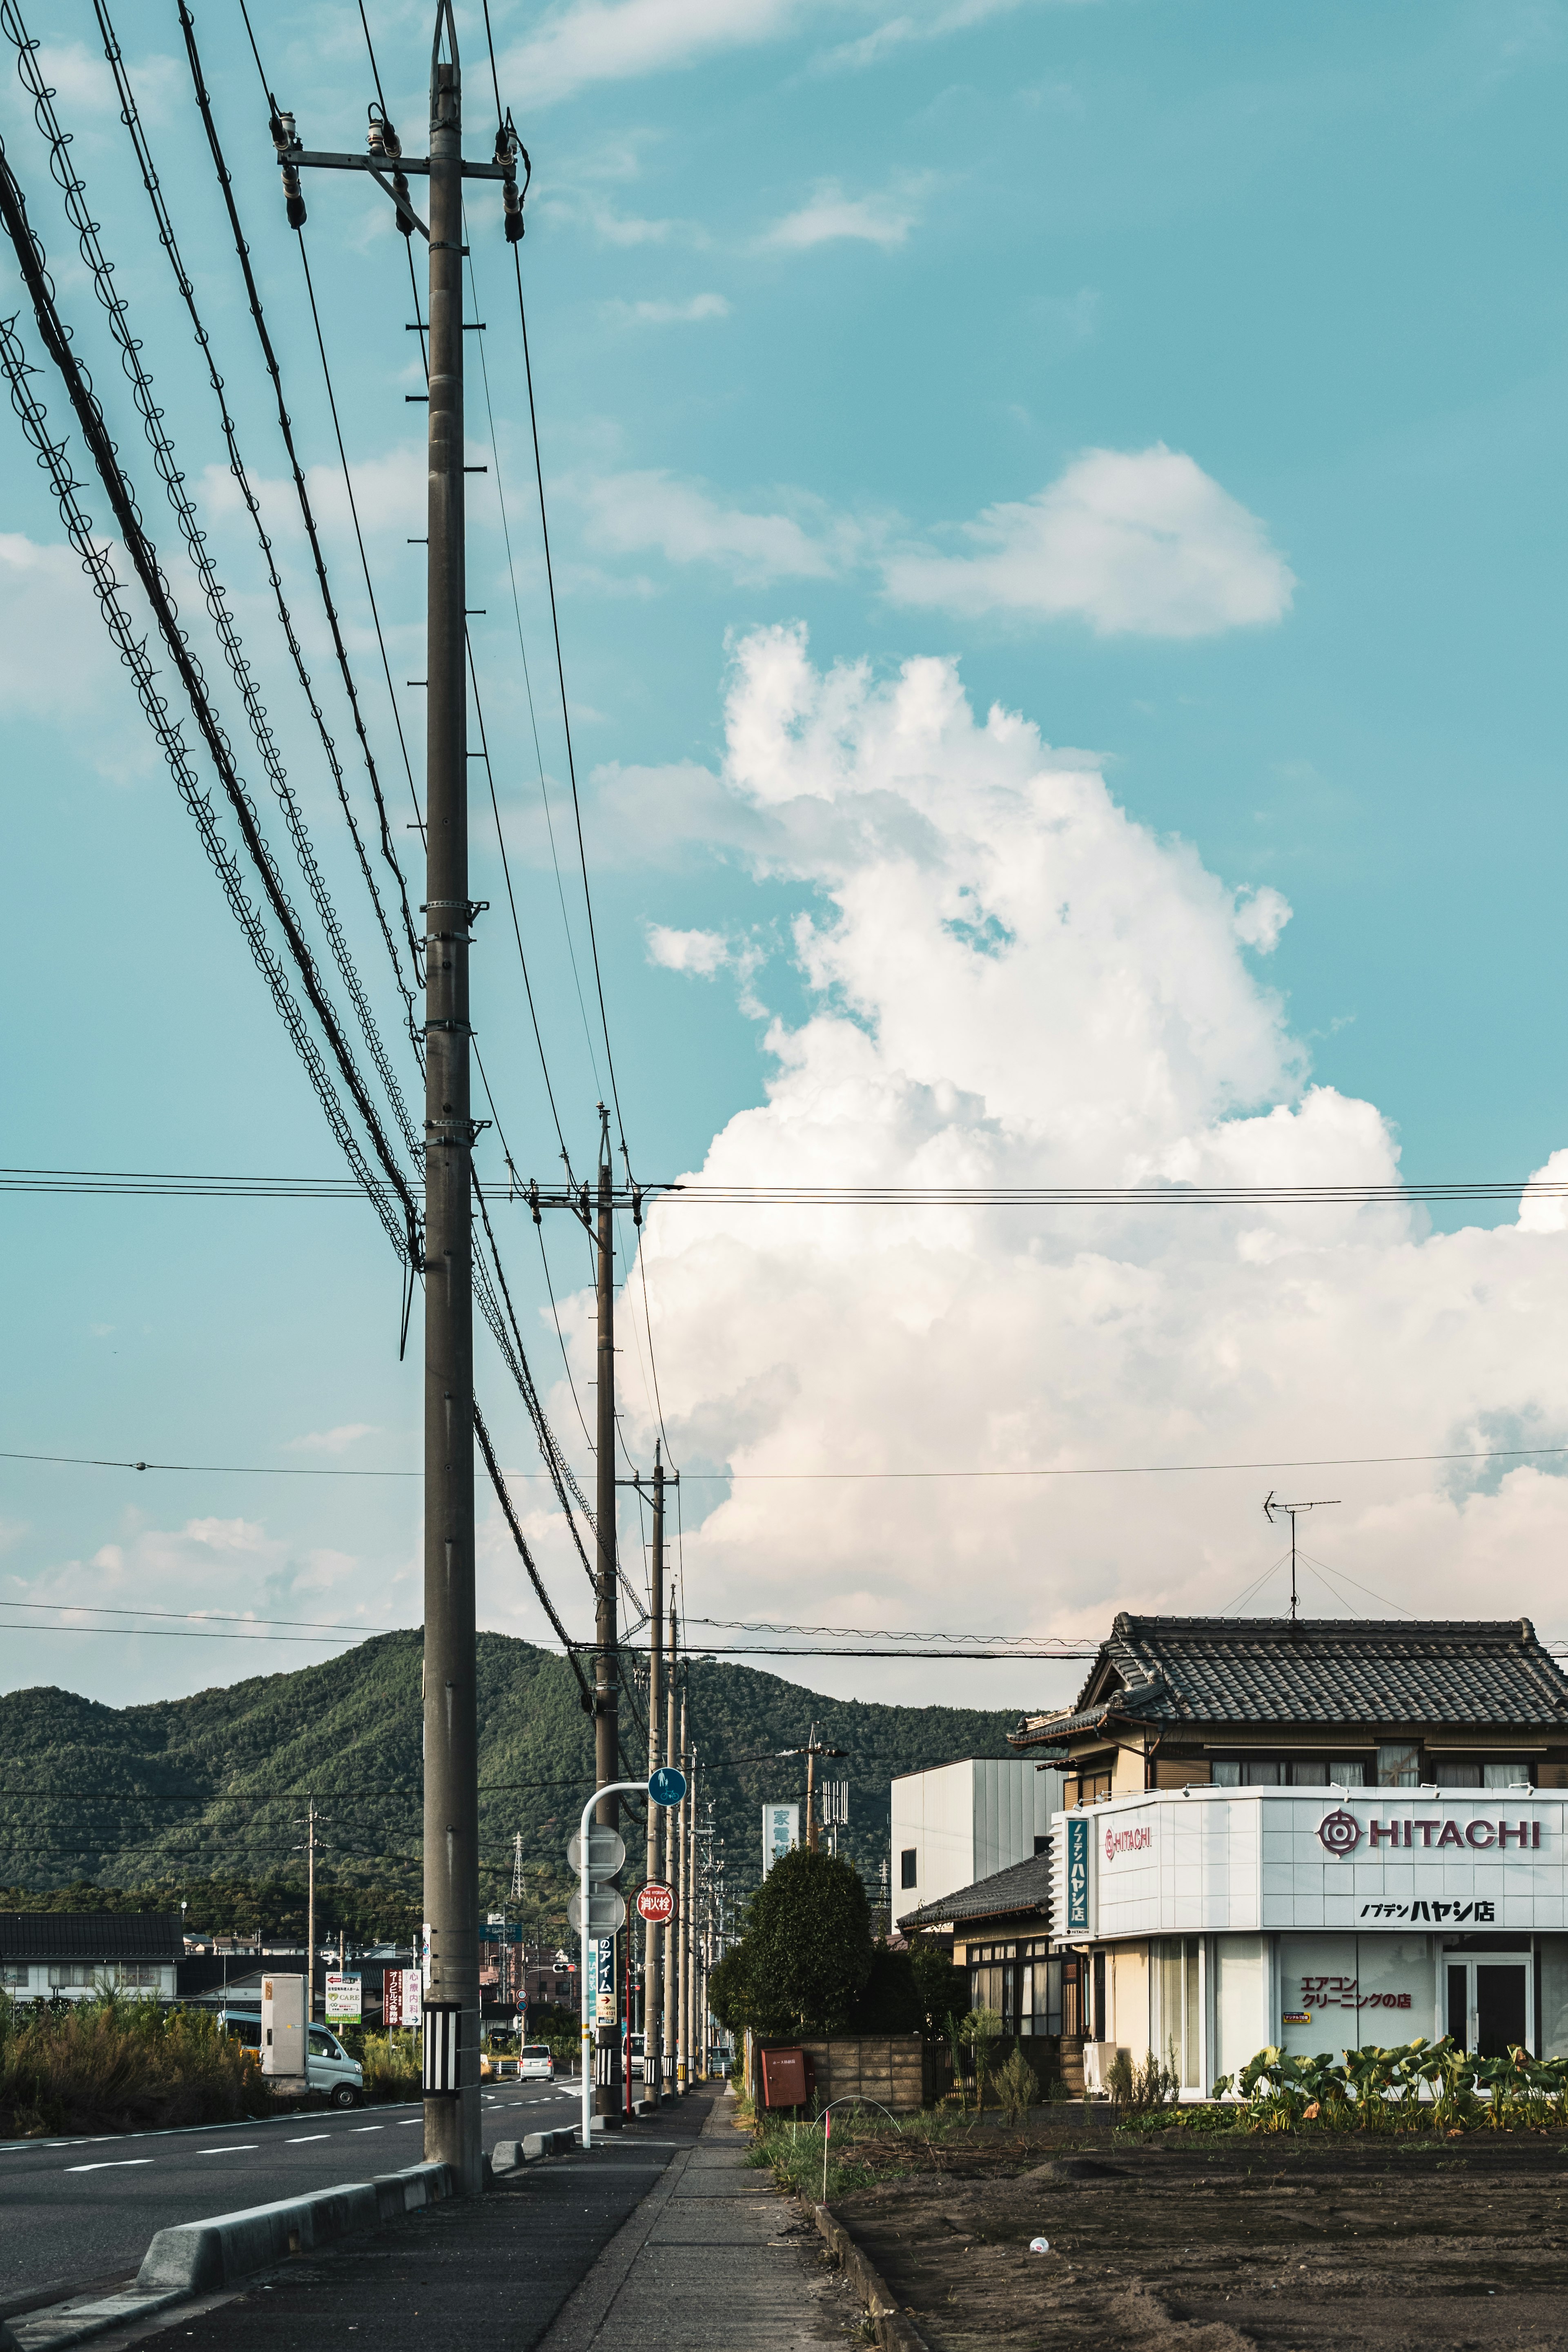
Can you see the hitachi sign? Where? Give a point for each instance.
(1340, 1834)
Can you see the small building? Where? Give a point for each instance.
(963, 1821)
(72, 1955)
(1000, 1929)
(1313, 1834)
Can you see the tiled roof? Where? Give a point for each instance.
(1023, 1887)
(91, 1936)
(1327, 1671)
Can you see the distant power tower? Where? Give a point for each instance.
(517, 1867)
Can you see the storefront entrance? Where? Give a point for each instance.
(1487, 2002)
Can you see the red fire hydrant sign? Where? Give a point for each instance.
(655, 1903)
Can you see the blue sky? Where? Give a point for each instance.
(832, 310)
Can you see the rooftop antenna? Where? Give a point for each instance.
(1273, 1508)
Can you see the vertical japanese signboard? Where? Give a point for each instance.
(1078, 1875)
(781, 1833)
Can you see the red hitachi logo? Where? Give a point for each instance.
(1127, 1841)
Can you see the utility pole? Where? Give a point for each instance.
(813, 1749)
(607, 1659)
(672, 1879)
(452, 1743)
(310, 1909)
(654, 1935)
(683, 1927)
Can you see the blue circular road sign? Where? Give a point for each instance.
(667, 1786)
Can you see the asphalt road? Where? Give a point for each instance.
(78, 2214)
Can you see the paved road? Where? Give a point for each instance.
(77, 2213)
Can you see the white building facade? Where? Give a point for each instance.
(963, 1821)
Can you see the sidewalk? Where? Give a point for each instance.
(660, 2237)
(713, 2257)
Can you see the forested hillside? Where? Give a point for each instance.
(208, 1791)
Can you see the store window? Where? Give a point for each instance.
(1399, 1764)
(1179, 2007)
(907, 1866)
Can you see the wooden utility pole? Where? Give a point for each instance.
(813, 1749)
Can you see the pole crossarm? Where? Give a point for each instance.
(306, 159)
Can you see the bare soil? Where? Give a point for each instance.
(1320, 2245)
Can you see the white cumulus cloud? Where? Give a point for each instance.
(1008, 981)
(830, 216)
(631, 512)
(1133, 540)
(669, 314)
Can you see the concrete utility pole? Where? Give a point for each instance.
(694, 2069)
(672, 1879)
(607, 1661)
(683, 1922)
(452, 1743)
(311, 1910)
(653, 1935)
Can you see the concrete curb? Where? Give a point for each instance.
(512, 2155)
(895, 2330)
(197, 2258)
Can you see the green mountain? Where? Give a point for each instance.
(210, 1792)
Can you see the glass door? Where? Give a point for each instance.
(1487, 2003)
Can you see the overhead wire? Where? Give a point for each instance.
(240, 668)
(504, 1498)
(302, 491)
(95, 561)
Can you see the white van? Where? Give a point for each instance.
(329, 2067)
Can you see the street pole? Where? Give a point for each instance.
(451, 1741)
(693, 2055)
(652, 2007)
(606, 1677)
(810, 1794)
(672, 1878)
(310, 1909)
(682, 2040)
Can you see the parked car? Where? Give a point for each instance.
(536, 2064)
(634, 2055)
(327, 2066)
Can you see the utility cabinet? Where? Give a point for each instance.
(283, 2043)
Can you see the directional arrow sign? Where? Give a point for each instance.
(667, 1786)
(655, 1903)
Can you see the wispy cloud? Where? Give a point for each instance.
(632, 512)
(668, 314)
(333, 1440)
(588, 41)
(884, 219)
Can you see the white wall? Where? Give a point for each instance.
(966, 1821)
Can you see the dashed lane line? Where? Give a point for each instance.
(109, 2164)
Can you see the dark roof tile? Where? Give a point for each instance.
(1023, 1887)
(91, 1936)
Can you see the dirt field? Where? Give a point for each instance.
(1316, 2246)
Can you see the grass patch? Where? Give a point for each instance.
(114, 2064)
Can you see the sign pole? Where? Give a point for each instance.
(665, 1787)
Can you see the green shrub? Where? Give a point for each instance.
(110, 2064)
(393, 2064)
(1018, 2087)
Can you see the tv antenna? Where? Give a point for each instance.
(1273, 1508)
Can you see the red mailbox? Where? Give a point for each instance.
(783, 2078)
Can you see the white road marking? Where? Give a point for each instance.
(405, 2122)
(358, 2128)
(234, 2148)
(110, 2164)
(306, 2140)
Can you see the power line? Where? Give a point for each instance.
(133, 653)
(499, 1483)
(301, 490)
(217, 604)
(561, 677)
(835, 1478)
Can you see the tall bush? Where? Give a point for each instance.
(806, 1955)
(116, 2065)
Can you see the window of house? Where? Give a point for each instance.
(1452, 1772)
(14, 1976)
(1505, 1776)
(1093, 1788)
(1399, 1764)
(69, 1973)
(907, 1865)
(1348, 1772)
(1308, 1773)
(1179, 2005)
(1042, 1840)
(1260, 1772)
(1226, 1773)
